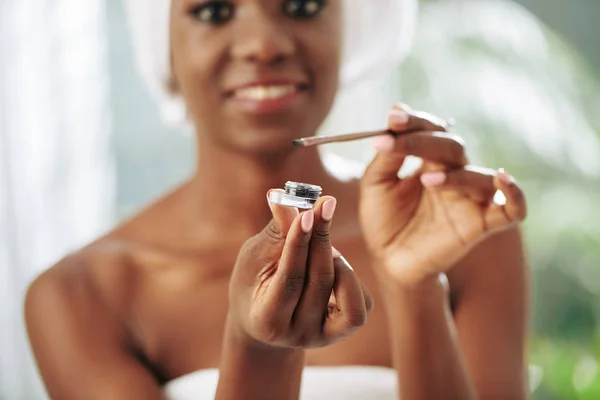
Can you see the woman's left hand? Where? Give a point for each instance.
(420, 226)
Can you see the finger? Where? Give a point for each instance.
(514, 209)
(312, 307)
(369, 302)
(437, 147)
(269, 243)
(283, 217)
(351, 312)
(285, 286)
(386, 164)
(402, 118)
(434, 147)
(475, 183)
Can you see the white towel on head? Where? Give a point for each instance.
(378, 34)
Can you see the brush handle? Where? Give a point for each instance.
(319, 140)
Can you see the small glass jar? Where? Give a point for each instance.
(299, 195)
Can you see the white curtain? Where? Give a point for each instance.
(56, 173)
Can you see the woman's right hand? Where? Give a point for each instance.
(290, 288)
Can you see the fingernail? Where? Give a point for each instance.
(432, 179)
(383, 143)
(504, 177)
(269, 200)
(398, 118)
(346, 263)
(402, 107)
(335, 252)
(327, 209)
(308, 220)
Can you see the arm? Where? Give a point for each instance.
(491, 315)
(443, 220)
(254, 371)
(278, 307)
(280, 303)
(425, 348)
(81, 351)
(478, 354)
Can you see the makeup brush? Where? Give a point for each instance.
(319, 140)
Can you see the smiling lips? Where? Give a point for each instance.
(268, 98)
(265, 92)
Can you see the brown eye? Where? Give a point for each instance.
(303, 9)
(214, 12)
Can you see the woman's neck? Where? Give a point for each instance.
(225, 203)
(232, 186)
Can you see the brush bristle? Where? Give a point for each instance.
(297, 143)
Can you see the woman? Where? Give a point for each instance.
(189, 285)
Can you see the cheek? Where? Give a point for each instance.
(332, 42)
(325, 58)
(325, 49)
(193, 61)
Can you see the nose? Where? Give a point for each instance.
(261, 39)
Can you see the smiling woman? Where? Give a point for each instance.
(203, 293)
(374, 40)
(289, 93)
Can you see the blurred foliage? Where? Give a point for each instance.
(526, 101)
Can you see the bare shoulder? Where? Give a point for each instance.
(107, 272)
(97, 279)
(76, 314)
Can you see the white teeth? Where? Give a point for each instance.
(265, 92)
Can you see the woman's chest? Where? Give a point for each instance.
(182, 323)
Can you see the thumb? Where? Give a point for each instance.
(283, 216)
(267, 245)
(387, 162)
(384, 168)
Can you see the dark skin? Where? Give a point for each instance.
(197, 281)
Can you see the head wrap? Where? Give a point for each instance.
(378, 34)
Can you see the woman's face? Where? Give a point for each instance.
(256, 74)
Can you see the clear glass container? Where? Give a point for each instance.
(299, 195)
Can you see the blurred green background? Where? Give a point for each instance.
(525, 92)
(521, 80)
